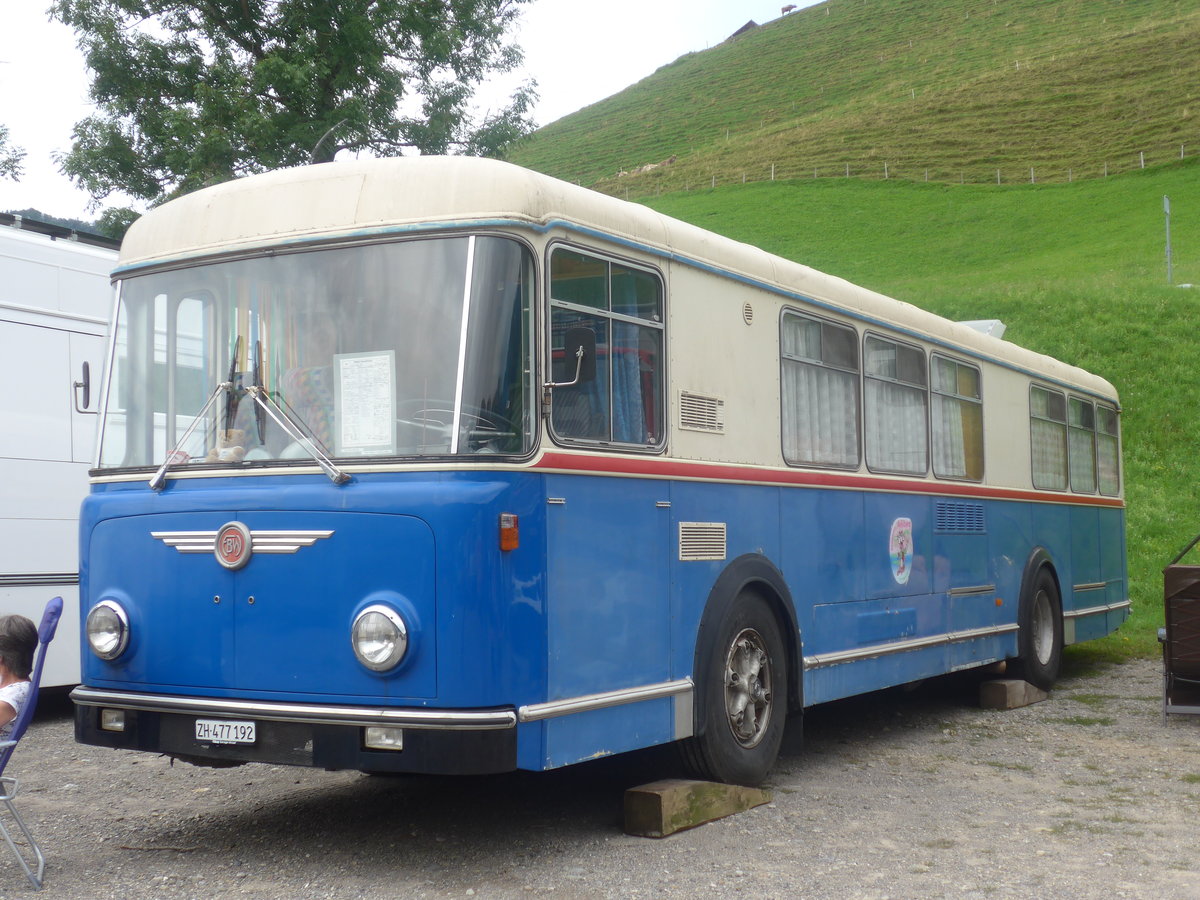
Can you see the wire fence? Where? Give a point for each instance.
(669, 176)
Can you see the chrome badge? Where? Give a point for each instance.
(233, 543)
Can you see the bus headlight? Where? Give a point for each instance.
(108, 629)
(379, 637)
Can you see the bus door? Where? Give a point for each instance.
(965, 576)
(607, 611)
(899, 556)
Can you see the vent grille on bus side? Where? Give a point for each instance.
(701, 540)
(700, 413)
(959, 518)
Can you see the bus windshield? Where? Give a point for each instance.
(406, 349)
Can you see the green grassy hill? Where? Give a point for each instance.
(1075, 270)
(944, 90)
(945, 93)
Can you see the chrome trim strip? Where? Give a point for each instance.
(39, 579)
(1093, 586)
(260, 541)
(933, 640)
(537, 711)
(1097, 610)
(967, 591)
(309, 713)
(460, 375)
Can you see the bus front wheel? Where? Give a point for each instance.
(1040, 635)
(744, 684)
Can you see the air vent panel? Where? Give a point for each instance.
(698, 412)
(953, 517)
(701, 540)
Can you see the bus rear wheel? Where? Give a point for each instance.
(1040, 635)
(744, 685)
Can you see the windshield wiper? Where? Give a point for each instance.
(268, 406)
(160, 476)
(231, 402)
(260, 413)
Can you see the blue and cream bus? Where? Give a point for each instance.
(441, 465)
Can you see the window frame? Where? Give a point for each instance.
(1073, 429)
(1102, 408)
(924, 389)
(977, 401)
(856, 372)
(1066, 471)
(610, 316)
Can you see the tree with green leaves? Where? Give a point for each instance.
(11, 165)
(195, 92)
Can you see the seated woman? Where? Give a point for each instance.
(18, 641)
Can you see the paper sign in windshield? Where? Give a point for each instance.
(366, 403)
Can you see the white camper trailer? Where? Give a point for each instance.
(55, 301)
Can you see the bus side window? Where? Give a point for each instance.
(1081, 435)
(622, 307)
(1048, 438)
(1108, 450)
(957, 419)
(896, 407)
(819, 392)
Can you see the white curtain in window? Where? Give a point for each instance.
(1108, 464)
(1083, 460)
(949, 447)
(1049, 441)
(820, 415)
(895, 428)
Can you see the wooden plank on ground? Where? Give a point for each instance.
(674, 804)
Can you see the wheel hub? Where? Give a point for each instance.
(748, 698)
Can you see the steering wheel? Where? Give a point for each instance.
(480, 427)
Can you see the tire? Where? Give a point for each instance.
(743, 681)
(1040, 635)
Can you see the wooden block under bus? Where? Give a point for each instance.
(1009, 693)
(674, 804)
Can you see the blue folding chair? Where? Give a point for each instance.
(8, 786)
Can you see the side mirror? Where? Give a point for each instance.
(86, 384)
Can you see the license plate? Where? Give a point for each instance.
(218, 731)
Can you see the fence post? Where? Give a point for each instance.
(1032, 180)
(772, 171)
(847, 170)
(1167, 213)
(1142, 154)
(885, 172)
(997, 176)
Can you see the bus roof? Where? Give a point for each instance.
(379, 196)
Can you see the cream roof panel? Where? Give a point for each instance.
(346, 198)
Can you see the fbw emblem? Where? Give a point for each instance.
(234, 545)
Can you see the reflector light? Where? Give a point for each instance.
(510, 534)
(382, 737)
(112, 719)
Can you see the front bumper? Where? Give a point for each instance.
(449, 742)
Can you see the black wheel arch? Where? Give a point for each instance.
(756, 572)
(1039, 559)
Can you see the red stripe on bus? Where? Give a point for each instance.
(692, 471)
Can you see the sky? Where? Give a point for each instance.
(579, 52)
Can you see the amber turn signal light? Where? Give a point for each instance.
(510, 534)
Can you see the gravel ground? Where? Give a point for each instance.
(903, 794)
